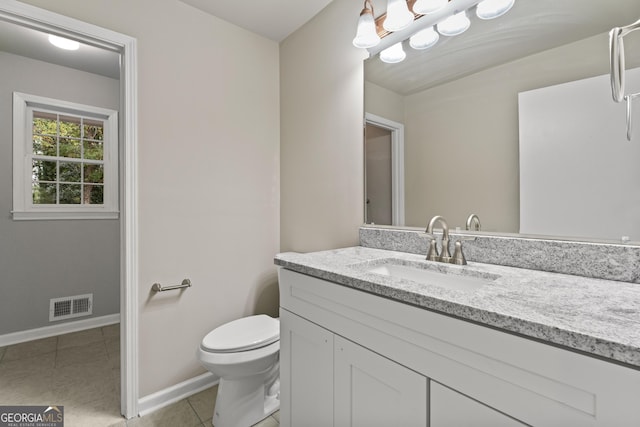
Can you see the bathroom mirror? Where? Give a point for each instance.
(458, 105)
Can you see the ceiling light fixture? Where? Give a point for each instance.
(423, 27)
(398, 17)
(63, 43)
(366, 35)
(489, 9)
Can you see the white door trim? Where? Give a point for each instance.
(41, 19)
(397, 164)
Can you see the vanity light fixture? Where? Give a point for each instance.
(448, 17)
(398, 17)
(489, 9)
(425, 7)
(393, 54)
(366, 35)
(424, 39)
(454, 25)
(63, 43)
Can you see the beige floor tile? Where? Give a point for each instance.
(267, 422)
(80, 384)
(89, 353)
(113, 350)
(178, 414)
(276, 416)
(2, 350)
(204, 402)
(30, 349)
(38, 365)
(33, 390)
(111, 331)
(99, 413)
(81, 338)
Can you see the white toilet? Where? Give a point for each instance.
(244, 354)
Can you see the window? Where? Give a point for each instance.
(65, 160)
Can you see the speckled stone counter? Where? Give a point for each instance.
(603, 260)
(594, 316)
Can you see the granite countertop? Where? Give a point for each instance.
(598, 317)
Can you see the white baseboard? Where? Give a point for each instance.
(175, 393)
(59, 329)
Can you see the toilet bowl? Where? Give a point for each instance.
(244, 354)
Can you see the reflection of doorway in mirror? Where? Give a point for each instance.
(377, 146)
(384, 171)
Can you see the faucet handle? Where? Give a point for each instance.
(432, 253)
(458, 256)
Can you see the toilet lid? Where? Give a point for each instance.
(243, 334)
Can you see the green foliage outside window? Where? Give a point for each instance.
(73, 182)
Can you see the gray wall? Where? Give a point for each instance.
(40, 260)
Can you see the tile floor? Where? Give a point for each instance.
(81, 371)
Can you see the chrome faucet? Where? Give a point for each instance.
(432, 255)
(470, 221)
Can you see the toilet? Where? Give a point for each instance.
(244, 354)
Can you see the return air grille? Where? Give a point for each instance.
(69, 307)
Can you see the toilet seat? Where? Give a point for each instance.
(244, 334)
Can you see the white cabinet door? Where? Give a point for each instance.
(372, 391)
(449, 408)
(306, 373)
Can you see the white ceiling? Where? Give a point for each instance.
(257, 16)
(531, 26)
(34, 44)
(273, 19)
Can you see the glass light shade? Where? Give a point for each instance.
(454, 25)
(489, 9)
(393, 54)
(424, 7)
(366, 35)
(63, 43)
(398, 16)
(424, 39)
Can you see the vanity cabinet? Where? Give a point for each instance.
(352, 358)
(331, 381)
(371, 390)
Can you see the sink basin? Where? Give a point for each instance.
(433, 274)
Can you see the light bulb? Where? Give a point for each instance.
(454, 25)
(424, 39)
(398, 16)
(489, 9)
(424, 7)
(366, 35)
(393, 54)
(63, 43)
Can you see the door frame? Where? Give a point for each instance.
(397, 165)
(30, 16)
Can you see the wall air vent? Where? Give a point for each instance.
(69, 307)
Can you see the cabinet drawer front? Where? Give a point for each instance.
(449, 408)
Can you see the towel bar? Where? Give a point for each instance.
(616, 52)
(157, 287)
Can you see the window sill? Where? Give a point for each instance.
(57, 215)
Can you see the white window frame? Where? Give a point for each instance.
(23, 206)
